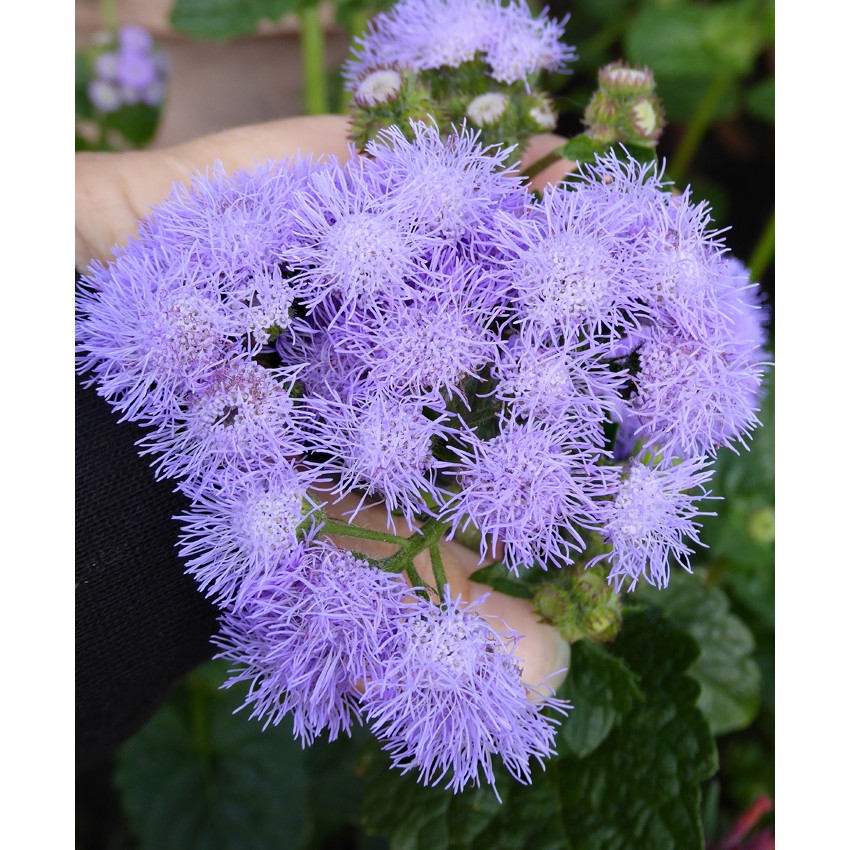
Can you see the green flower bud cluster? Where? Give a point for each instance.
(503, 113)
(625, 109)
(580, 604)
(390, 96)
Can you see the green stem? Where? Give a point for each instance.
(697, 128)
(763, 252)
(439, 570)
(313, 59)
(343, 529)
(109, 14)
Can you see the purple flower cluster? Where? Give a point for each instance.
(431, 34)
(415, 329)
(473, 61)
(132, 70)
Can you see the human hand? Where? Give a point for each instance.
(115, 190)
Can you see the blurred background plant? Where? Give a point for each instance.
(121, 82)
(673, 734)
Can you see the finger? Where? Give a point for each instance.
(540, 146)
(115, 190)
(541, 651)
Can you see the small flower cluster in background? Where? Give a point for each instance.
(459, 61)
(122, 82)
(130, 70)
(415, 329)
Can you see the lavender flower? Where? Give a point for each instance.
(522, 46)
(424, 347)
(133, 71)
(554, 382)
(432, 34)
(245, 415)
(451, 188)
(383, 445)
(695, 394)
(239, 530)
(651, 517)
(309, 634)
(449, 697)
(533, 488)
(352, 251)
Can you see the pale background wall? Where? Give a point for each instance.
(216, 85)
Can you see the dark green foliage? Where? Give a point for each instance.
(726, 668)
(638, 785)
(224, 19)
(198, 777)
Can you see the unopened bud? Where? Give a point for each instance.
(621, 80)
(487, 108)
(380, 86)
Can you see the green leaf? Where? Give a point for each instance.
(224, 19)
(197, 776)
(500, 578)
(639, 787)
(697, 40)
(602, 689)
(137, 123)
(761, 100)
(726, 669)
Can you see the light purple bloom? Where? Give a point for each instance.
(351, 251)
(557, 381)
(382, 445)
(650, 519)
(309, 634)
(133, 71)
(695, 394)
(244, 416)
(449, 698)
(424, 346)
(450, 187)
(238, 530)
(524, 44)
(533, 488)
(429, 34)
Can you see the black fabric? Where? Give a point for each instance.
(141, 623)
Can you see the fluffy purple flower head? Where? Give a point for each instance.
(450, 697)
(533, 488)
(424, 34)
(576, 268)
(554, 382)
(650, 519)
(239, 529)
(150, 332)
(452, 187)
(424, 347)
(244, 416)
(352, 251)
(307, 636)
(430, 34)
(382, 445)
(524, 44)
(234, 227)
(695, 394)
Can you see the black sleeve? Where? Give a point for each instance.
(141, 623)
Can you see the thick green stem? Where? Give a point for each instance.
(109, 14)
(697, 128)
(439, 570)
(313, 59)
(763, 252)
(343, 529)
